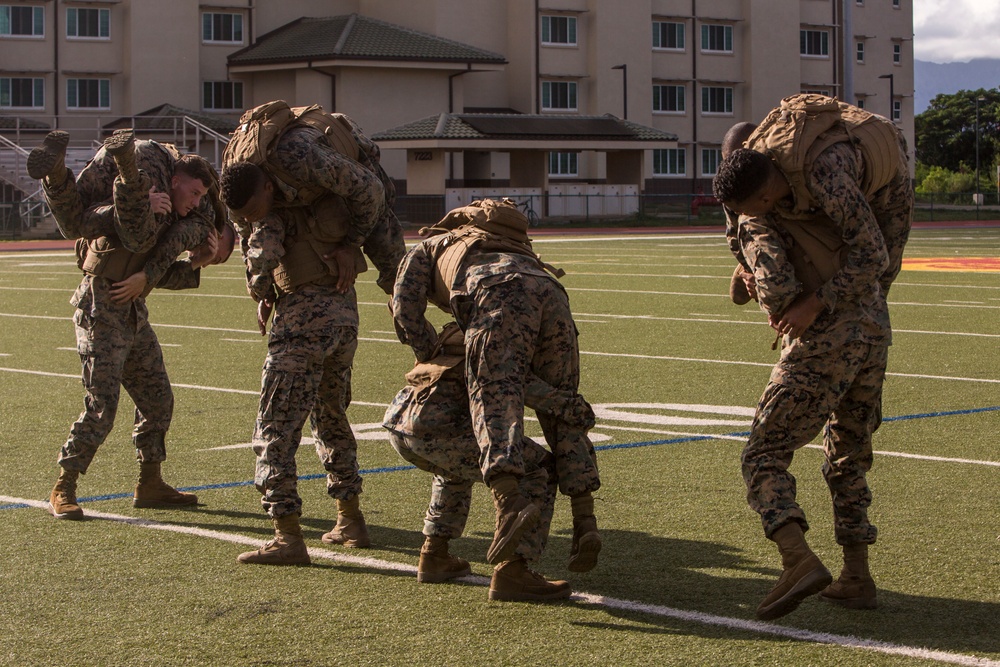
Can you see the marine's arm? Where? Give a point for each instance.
(409, 302)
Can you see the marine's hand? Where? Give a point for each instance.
(264, 308)
(343, 256)
(799, 316)
(204, 254)
(129, 289)
(159, 202)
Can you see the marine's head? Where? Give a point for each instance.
(192, 179)
(749, 183)
(735, 137)
(247, 190)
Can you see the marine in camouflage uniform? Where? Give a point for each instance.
(516, 319)
(431, 427)
(117, 346)
(311, 345)
(830, 373)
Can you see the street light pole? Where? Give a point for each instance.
(892, 96)
(624, 69)
(978, 100)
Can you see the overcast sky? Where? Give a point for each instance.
(947, 31)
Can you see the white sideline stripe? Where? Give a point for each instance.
(716, 436)
(738, 624)
(923, 457)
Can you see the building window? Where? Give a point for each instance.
(897, 110)
(562, 164)
(88, 93)
(668, 98)
(559, 95)
(814, 43)
(897, 54)
(223, 96)
(669, 162)
(16, 20)
(717, 38)
(91, 23)
(716, 99)
(559, 30)
(668, 35)
(226, 28)
(817, 91)
(861, 103)
(895, 4)
(22, 93)
(710, 159)
(861, 52)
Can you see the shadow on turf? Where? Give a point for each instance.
(714, 578)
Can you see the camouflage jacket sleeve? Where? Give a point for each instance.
(262, 247)
(765, 246)
(83, 207)
(180, 275)
(409, 302)
(833, 182)
(565, 405)
(732, 237)
(185, 234)
(303, 155)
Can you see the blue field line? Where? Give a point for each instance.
(622, 445)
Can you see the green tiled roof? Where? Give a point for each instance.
(356, 37)
(167, 117)
(523, 126)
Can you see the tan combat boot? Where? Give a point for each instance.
(287, 547)
(121, 146)
(514, 516)
(586, 540)
(49, 160)
(855, 588)
(437, 565)
(803, 575)
(514, 581)
(62, 500)
(350, 529)
(152, 491)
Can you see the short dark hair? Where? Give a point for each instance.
(735, 137)
(741, 175)
(239, 182)
(196, 166)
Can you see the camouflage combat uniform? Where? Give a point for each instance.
(304, 155)
(314, 334)
(517, 321)
(431, 427)
(117, 346)
(833, 373)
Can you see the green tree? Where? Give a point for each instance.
(946, 131)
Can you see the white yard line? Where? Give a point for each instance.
(737, 624)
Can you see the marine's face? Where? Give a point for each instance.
(186, 193)
(257, 207)
(755, 206)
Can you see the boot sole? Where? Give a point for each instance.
(350, 544)
(585, 559)
(162, 504)
(41, 159)
(65, 516)
(119, 142)
(439, 577)
(503, 549)
(503, 596)
(812, 583)
(274, 562)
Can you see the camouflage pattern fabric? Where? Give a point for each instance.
(307, 373)
(431, 428)
(517, 321)
(117, 346)
(830, 376)
(304, 154)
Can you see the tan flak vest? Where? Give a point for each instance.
(317, 230)
(483, 226)
(106, 257)
(819, 251)
(803, 126)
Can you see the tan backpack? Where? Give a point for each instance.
(256, 138)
